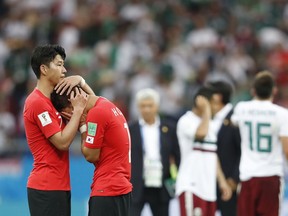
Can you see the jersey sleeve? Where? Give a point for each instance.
(236, 114)
(186, 129)
(46, 119)
(97, 121)
(283, 132)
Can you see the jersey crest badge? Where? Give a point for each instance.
(92, 128)
(44, 118)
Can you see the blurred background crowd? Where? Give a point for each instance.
(122, 46)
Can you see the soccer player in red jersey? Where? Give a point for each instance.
(106, 144)
(49, 182)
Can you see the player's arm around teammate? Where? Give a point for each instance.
(67, 84)
(63, 139)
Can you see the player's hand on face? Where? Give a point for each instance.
(202, 103)
(66, 115)
(226, 191)
(67, 112)
(78, 99)
(67, 83)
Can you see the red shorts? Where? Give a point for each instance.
(260, 196)
(192, 205)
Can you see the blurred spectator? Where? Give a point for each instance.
(126, 51)
(269, 37)
(203, 37)
(4, 53)
(7, 128)
(171, 91)
(143, 78)
(17, 68)
(134, 11)
(238, 65)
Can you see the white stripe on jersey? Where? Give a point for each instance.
(281, 194)
(205, 146)
(188, 196)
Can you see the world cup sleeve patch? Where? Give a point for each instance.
(44, 118)
(92, 128)
(90, 139)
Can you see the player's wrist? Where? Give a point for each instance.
(82, 82)
(223, 183)
(78, 110)
(83, 128)
(206, 113)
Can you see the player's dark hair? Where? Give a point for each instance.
(203, 91)
(45, 54)
(60, 102)
(222, 88)
(263, 84)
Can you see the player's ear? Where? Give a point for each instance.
(43, 69)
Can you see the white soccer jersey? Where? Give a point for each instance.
(197, 171)
(261, 125)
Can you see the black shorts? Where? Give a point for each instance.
(110, 205)
(49, 203)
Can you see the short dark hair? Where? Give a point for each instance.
(222, 88)
(44, 54)
(203, 91)
(60, 102)
(263, 84)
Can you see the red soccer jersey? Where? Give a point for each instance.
(108, 131)
(51, 166)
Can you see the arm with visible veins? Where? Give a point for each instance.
(70, 82)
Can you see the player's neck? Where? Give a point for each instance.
(92, 99)
(45, 88)
(263, 99)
